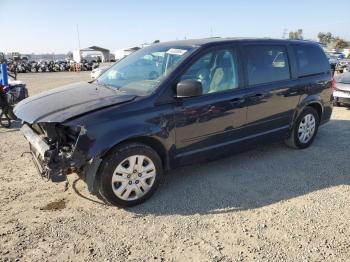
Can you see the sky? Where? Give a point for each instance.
(38, 26)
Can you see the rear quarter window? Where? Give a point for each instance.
(311, 60)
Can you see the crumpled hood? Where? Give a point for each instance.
(60, 104)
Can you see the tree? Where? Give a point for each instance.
(332, 41)
(325, 38)
(296, 34)
(340, 43)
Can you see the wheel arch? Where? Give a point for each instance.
(92, 178)
(318, 107)
(314, 102)
(153, 143)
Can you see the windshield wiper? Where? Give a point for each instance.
(107, 85)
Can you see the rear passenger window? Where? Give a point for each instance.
(311, 60)
(266, 64)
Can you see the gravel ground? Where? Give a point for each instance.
(268, 204)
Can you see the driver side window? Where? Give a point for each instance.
(217, 71)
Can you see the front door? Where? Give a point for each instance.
(208, 123)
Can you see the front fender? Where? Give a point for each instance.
(107, 128)
(104, 138)
(107, 137)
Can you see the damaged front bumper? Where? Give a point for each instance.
(45, 157)
(55, 162)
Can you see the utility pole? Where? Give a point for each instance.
(78, 43)
(78, 37)
(211, 32)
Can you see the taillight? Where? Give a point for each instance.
(1, 88)
(334, 84)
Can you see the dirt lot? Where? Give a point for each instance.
(268, 204)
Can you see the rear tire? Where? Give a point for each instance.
(304, 129)
(129, 175)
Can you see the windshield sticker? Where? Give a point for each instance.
(175, 51)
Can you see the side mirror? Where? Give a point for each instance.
(189, 88)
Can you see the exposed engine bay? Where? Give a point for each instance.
(53, 147)
(60, 141)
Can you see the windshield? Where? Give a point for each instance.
(141, 72)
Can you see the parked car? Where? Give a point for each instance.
(211, 97)
(95, 73)
(343, 65)
(342, 91)
(333, 61)
(338, 55)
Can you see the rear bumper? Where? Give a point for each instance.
(341, 96)
(342, 100)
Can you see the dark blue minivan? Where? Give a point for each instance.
(177, 103)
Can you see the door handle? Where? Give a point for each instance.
(211, 109)
(256, 97)
(238, 100)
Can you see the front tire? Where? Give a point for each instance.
(129, 175)
(304, 129)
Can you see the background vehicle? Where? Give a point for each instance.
(121, 53)
(333, 61)
(342, 91)
(210, 97)
(11, 92)
(43, 66)
(95, 73)
(338, 56)
(343, 65)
